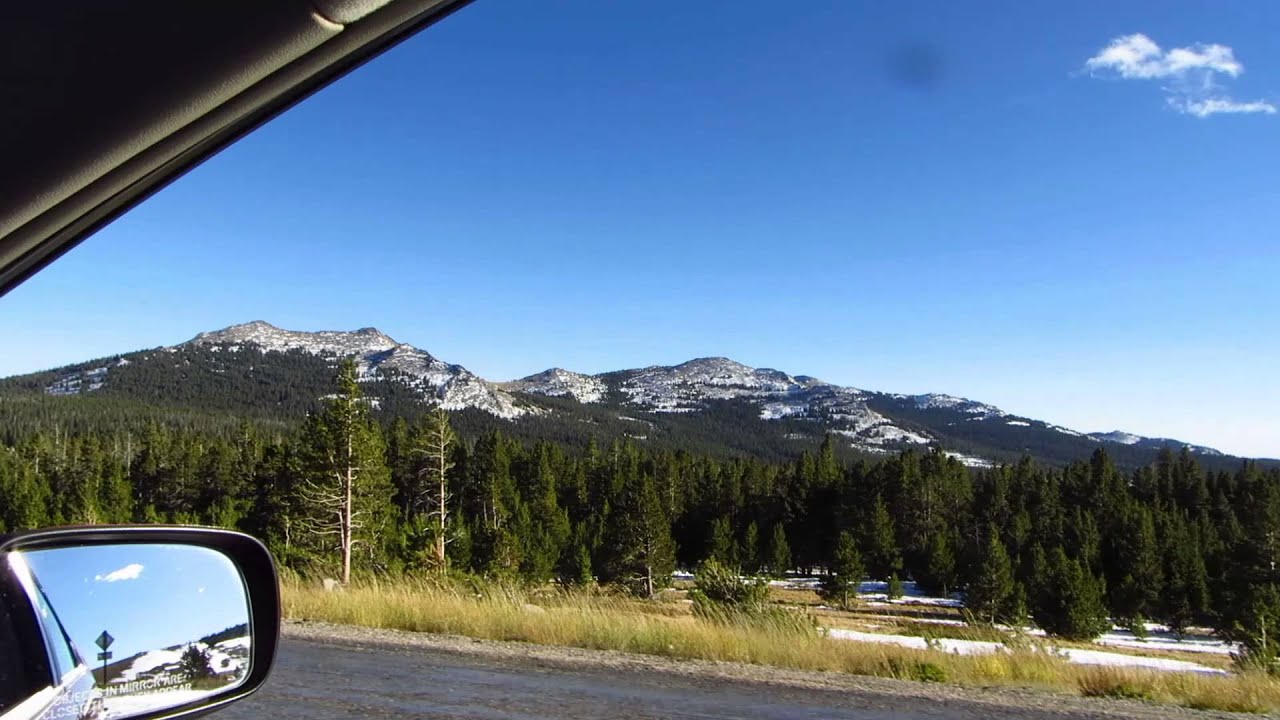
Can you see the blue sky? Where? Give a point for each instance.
(907, 197)
(148, 597)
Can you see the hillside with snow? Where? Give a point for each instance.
(249, 347)
(159, 679)
(282, 373)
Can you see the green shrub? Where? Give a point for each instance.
(721, 596)
(905, 668)
(718, 584)
(894, 588)
(930, 672)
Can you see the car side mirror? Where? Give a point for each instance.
(139, 622)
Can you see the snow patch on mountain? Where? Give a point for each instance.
(892, 435)
(690, 387)
(1154, 443)
(970, 460)
(692, 383)
(83, 381)
(558, 382)
(779, 410)
(377, 355)
(1117, 436)
(325, 342)
(934, 401)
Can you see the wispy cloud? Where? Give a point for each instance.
(1213, 106)
(128, 572)
(1189, 75)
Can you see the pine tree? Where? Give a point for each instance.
(431, 493)
(575, 564)
(1017, 610)
(548, 529)
(721, 545)
(939, 575)
(1251, 613)
(1258, 630)
(883, 556)
(1140, 578)
(195, 663)
(346, 486)
(641, 554)
(1184, 595)
(459, 545)
(489, 499)
(751, 554)
(276, 508)
(893, 587)
(24, 497)
(840, 585)
(779, 552)
(990, 595)
(1072, 606)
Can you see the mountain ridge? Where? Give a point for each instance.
(867, 421)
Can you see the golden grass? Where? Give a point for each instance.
(793, 596)
(1249, 692)
(610, 622)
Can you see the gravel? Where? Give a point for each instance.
(894, 698)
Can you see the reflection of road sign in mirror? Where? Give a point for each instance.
(104, 640)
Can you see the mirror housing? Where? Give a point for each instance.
(85, 694)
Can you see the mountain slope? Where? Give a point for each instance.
(294, 368)
(262, 369)
(873, 422)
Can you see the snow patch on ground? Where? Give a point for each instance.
(1161, 638)
(875, 594)
(872, 591)
(977, 647)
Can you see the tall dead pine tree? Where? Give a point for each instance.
(438, 440)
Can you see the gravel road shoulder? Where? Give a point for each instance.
(875, 692)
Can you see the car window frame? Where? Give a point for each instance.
(36, 599)
(41, 691)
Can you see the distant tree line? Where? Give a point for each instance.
(347, 494)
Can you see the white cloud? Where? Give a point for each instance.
(1139, 57)
(1213, 106)
(1190, 73)
(128, 572)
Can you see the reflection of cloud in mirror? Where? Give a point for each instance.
(128, 572)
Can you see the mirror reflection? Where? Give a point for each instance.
(154, 626)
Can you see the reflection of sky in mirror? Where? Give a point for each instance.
(146, 596)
